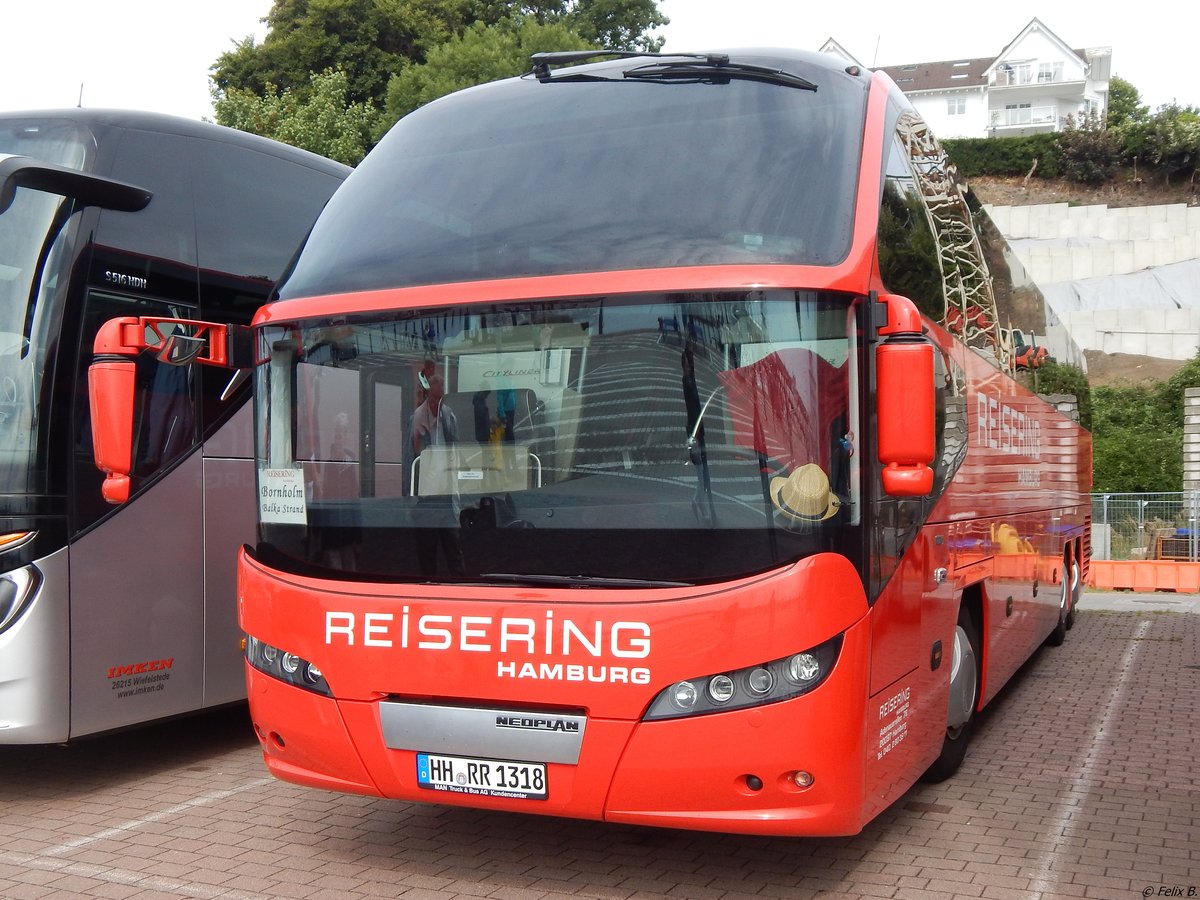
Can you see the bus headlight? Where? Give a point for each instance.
(769, 682)
(17, 589)
(720, 689)
(682, 696)
(286, 666)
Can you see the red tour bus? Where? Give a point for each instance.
(613, 461)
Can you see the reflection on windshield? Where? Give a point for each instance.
(31, 251)
(681, 438)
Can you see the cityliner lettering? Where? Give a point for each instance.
(511, 373)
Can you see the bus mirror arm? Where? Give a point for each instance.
(905, 402)
(112, 379)
(82, 187)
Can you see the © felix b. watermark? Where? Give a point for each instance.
(1171, 890)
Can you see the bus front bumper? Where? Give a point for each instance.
(790, 768)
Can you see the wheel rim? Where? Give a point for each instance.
(1068, 593)
(963, 683)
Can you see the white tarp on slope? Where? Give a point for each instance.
(1176, 286)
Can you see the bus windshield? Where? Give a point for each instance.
(531, 178)
(31, 251)
(653, 439)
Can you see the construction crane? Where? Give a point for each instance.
(970, 301)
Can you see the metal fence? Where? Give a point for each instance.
(1146, 526)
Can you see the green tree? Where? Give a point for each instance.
(372, 40)
(481, 54)
(1124, 103)
(617, 24)
(366, 39)
(322, 119)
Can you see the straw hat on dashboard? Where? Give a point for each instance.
(805, 495)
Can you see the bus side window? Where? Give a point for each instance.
(166, 411)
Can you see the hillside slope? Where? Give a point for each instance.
(1103, 368)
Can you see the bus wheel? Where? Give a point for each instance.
(964, 695)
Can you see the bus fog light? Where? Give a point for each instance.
(803, 668)
(803, 779)
(720, 689)
(683, 695)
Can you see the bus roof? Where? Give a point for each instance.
(162, 123)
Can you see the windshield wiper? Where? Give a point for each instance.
(543, 61)
(714, 69)
(581, 580)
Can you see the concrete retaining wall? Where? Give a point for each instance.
(1057, 243)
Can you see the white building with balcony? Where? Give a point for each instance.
(1036, 83)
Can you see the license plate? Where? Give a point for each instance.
(482, 777)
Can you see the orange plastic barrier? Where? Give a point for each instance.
(1145, 575)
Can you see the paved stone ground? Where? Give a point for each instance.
(1081, 782)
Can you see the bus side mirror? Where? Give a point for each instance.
(112, 383)
(84, 188)
(904, 394)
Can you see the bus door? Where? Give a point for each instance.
(137, 573)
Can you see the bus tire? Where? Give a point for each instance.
(964, 697)
(1076, 593)
(1066, 603)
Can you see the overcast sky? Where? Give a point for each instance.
(155, 54)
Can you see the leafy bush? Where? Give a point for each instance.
(1138, 433)
(1090, 153)
(1053, 377)
(1168, 140)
